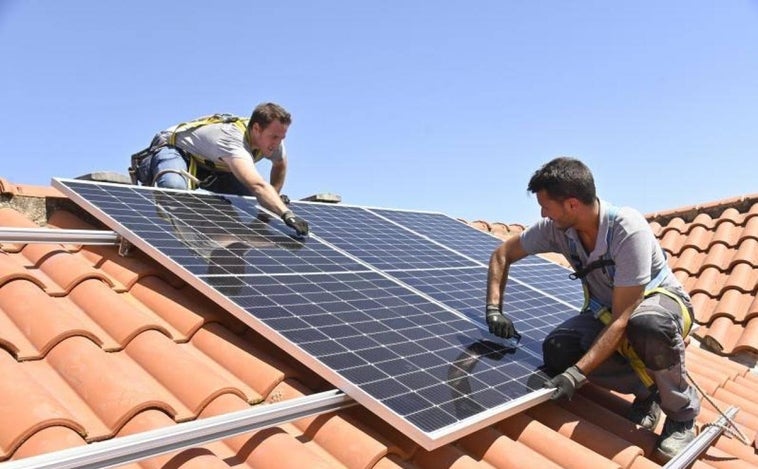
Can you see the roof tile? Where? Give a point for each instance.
(29, 405)
(47, 440)
(118, 395)
(246, 361)
(552, 445)
(44, 320)
(491, 446)
(586, 433)
(121, 318)
(185, 372)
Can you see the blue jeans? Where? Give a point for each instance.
(170, 158)
(165, 158)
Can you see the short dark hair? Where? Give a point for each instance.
(562, 178)
(266, 113)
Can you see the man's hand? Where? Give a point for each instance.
(498, 323)
(295, 222)
(285, 199)
(566, 383)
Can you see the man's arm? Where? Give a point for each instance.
(278, 174)
(245, 172)
(500, 261)
(625, 301)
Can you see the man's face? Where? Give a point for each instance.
(561, 212)
(267, 140)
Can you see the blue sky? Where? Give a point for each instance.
(443, 106)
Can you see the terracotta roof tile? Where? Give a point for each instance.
(98, 346)
(44, 320)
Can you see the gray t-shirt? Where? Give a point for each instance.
(216, 143)
(636, 252)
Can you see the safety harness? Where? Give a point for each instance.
(200, 169)
(602, 312)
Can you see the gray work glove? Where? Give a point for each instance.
(295, 222)
(285, 199)
(499, 325)
(566, 383)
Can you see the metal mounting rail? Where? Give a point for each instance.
(46, 235)
(702, 441)
(123, 450)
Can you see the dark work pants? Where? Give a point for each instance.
(655, 333)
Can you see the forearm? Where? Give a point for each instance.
(625, 301)
(497, 276)
(266, 194)
(605, 345)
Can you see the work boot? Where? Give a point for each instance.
(646, 412)
(675, 437)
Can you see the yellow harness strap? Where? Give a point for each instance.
(198, 161)
(625, 348)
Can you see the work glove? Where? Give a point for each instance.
(295, 222)
(566, 383)
(285, 199)
(499, 325)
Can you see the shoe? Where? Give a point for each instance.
(675, 437)
(646, 412)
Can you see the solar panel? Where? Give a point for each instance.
(210, 234)
(426, 368)
(445, 230)
(551, 279)
(534, 314)
(367, 236)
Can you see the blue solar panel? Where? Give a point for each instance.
(533, 313)
(397, 346)
(422, 365)
(384, 245)
(447, 231)
(549, 278)
(212, 235)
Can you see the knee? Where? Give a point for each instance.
(653, 338)
(560, 351)
(171, 180)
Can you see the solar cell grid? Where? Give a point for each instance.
(423, 365)
(370, 238)
(447, 231)
(533, 313)
(396, 363)
(552, 279)
(210, 236)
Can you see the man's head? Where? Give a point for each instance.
(562, 185)
(268, 127)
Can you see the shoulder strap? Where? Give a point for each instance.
(199, 160)
(604, 261)
(206, 120)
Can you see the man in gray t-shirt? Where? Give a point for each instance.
(629, 337)
(219, 152)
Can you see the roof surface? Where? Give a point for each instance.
(96, 346)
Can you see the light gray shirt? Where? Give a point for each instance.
(217, 143)
(634, 248)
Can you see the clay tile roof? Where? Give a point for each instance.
(713, 250)
(95, 346)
